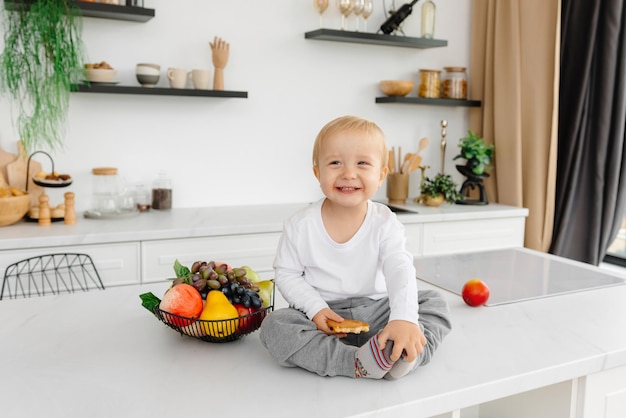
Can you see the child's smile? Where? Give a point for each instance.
(350, 168)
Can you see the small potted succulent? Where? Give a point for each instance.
(439, 189)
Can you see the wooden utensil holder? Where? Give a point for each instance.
(397, 188)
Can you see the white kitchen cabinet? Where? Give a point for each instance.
(603, 394)
(144, 248)
(254, 250)
(117, 264)
(453, 237)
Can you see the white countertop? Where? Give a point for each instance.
(101, 354)
(209, 221)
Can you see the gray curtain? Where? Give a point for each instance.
(591, 163)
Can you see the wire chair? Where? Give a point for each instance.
(50, 274)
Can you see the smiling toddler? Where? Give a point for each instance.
(344, 256)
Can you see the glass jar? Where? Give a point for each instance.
(430, 84)
(454, 84)
(106, 189)
(142, 198)
(162, 192)
(428, 19)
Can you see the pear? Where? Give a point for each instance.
(219, 309)
(253, 276)
(265, 291)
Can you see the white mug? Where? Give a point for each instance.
(200, 78)
(177, 77)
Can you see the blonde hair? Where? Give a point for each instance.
(349, 123)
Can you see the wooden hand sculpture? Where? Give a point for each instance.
(219, 54)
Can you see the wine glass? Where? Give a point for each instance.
(321, 6)
(368, 8)
(345, 8)
(357, 8)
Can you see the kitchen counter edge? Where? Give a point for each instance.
(180, 223)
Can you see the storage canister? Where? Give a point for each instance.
(162, 191)
(454, 83)
(106, 189)
(430, 84)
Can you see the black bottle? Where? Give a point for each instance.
(392, 23)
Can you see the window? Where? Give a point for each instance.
(616, 254)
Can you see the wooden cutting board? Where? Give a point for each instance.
(16, 174)
(5, 159)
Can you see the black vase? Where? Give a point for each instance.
(473, 181)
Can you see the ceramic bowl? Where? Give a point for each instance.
(13, 208)
(147, 80)
(396, 87)
(100, 75)
(148, 74)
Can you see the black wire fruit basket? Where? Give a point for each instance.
(218, 331)
(221, 331)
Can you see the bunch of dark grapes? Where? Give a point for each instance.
(207, 276)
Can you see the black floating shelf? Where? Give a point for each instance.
(374, 39)
(156, 91)
(431, 102)
(113, 11)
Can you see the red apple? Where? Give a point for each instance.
(475, 292)
(245, 323)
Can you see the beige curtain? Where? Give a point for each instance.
(515, 72)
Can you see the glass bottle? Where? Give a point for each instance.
(162, 191)
(428, 19)
(454, 84)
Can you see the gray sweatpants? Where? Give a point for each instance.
(294, 340)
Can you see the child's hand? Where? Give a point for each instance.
(324, 315)
(406, 336)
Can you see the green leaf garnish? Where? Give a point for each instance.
(180, 270)
(149, 301)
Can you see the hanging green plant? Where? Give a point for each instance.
(43, 57)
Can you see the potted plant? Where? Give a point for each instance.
(438, 189)
(476, 152)
(478, 156)
(43, 57)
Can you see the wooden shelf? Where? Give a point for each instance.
(113, 11)
(374, 39)
(156, 91)
(430, 102)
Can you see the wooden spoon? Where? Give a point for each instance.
(422, 144)
(407, 162)
(415, 163)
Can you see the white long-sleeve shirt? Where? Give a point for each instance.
(311, 268)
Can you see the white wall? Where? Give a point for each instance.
(256, 150)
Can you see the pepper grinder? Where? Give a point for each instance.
(444, 124)
(44, 210)
(70, 211)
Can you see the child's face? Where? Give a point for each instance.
(350, 167)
